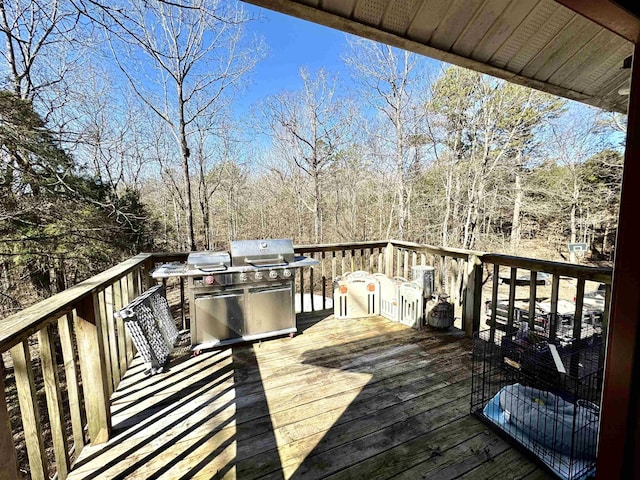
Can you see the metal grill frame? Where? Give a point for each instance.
(151, 327)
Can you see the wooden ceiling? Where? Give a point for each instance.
(537, 43)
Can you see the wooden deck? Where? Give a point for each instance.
(357, 399)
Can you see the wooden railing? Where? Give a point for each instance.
(557, 271)
(74, 334)
(462, 274)
(335, 259)
(79, 324)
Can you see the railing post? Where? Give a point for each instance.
(7, 448)
(93, 368)
(473, 296)
(148, 280)
(388, 256)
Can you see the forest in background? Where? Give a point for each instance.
(118, 134)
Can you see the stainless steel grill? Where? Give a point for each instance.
(245, 295)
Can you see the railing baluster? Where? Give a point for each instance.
(494, 302)
(130, 289)
(302, 290)
(405, 271)
(113, 336)
(577, 327)
(371, 261)
(311, 289)
(577, 318)
(54, 401)
(65, 326)
(101, 318)
(423, 259)
(453, 290)
(533, 280)
(553, 314)
(512, 299)
(29, 410)
(120, 330)
(324, 280)
(398, 269)
(140, 280)
(333, 274)
(343, 260)
(334, 266)
(183, 317)
(93, 368)
(7, 448)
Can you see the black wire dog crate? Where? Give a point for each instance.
(542, 395)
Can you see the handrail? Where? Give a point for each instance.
(329, 247)
(434, 250)
(596, 274)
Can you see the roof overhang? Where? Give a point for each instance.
(541, 44)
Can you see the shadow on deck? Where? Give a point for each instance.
(354, 399)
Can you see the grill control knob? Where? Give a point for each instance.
(258, 276)
(243, 277)
(273, 274)
(286, 273)
(209, 280)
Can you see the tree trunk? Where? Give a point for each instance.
(573, 221)
(447, 209)
(184, 149)
(316, 206)
(517, 204)
(400, 176)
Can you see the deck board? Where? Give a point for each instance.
(344, 399)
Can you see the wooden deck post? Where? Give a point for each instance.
(472, 308)
(146, 279)
(9, 469)
(388, 256)
(619, 442)
(93, 368)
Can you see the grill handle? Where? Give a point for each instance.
(209, 269)
(275, 261)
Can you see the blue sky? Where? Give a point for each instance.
(291, 43)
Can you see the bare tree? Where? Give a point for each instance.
(389, 79)
(310, 127)
(197, 57)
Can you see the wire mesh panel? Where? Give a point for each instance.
(543, 396)
(151, 326)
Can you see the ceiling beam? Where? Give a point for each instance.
(611, 15)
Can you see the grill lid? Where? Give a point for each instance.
(262, 252)
(208, 261)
